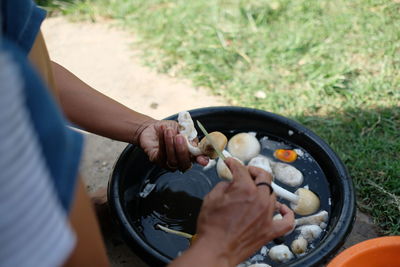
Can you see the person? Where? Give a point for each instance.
(235, 219)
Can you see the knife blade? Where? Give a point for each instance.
(206, 134)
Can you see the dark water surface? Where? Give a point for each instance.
(175, 199)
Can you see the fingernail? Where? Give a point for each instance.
(169, 132)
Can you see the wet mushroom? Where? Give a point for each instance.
(192, 238)
(244, 146)
(287, 174)
(299, 245)
(316, 219)
(223, 170)
(280, 253)
(262, 162)
(310, 232)
(303, 201)
(187, 129)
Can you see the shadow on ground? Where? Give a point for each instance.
(368, 142)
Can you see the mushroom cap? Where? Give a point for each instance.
(244, 146)
(280, 253)
(308, 202)
(287, 174)
(310, 232)
(262, 162)
(223, 170)
(299, 245)
(186, 126)
(218, 139)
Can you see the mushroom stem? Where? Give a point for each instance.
(303, 202)
(175, 232)
(283, 193)
(194, 150)
(316, 219)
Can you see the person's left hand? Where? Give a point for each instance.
(163, 144)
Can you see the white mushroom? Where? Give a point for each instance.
(187, 129)
(223, 170)
(303, 201)
(287, 174)
(299, 245)
(211, 163)
(186, 125)
(262, 162)
(277, 216)
(280, 253)
(259, 265)
(316, 219)
(310, 232)
(244, 146)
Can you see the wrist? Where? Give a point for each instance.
(213, 253)
(142, 125)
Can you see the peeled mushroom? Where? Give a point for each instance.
(287, 174)
(316, 219)
(261, 162)
(218, 139)
(223, 170)
(299, 245)
(186, 125)
(244, 146)
(303, 201)
(310, 232)
(280, 253)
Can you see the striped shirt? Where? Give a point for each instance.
(34, 229)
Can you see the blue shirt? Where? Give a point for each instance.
(61, 146)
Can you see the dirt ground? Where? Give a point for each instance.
(106, 58)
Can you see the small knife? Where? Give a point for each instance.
(210, 140)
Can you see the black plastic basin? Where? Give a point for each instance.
(133, 170)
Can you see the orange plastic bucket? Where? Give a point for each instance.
(377, 252)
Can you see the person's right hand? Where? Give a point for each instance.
(236, 217)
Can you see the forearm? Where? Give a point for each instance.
(95, 112)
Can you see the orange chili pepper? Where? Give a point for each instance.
(285, 155)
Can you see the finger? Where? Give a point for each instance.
(218, 190)
(259, 175)
(170, 148)
(286, 224)
(283, 209)
(262, 180)
(239, 172)
(202, 160)
(182, 153)
(161, 145)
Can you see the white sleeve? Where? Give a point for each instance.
(34, 228)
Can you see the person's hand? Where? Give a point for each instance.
(236, 218)
(163, 144)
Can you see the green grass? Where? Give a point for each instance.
(332, 65)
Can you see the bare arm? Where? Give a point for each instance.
(96, 112)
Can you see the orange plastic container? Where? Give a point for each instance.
(377, 252)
